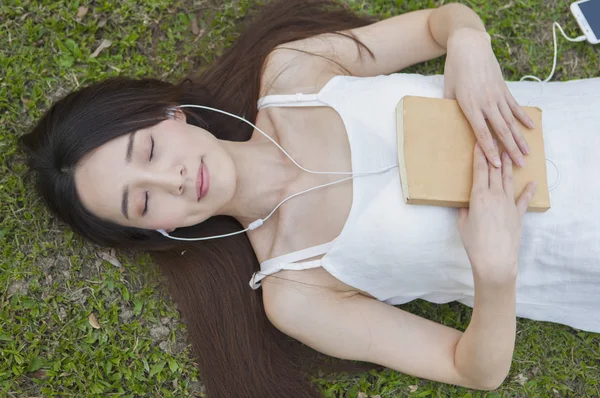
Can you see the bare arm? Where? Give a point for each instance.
(396, 43)
(361, 328)
(491, 233)
(356, 327)
(486, 348)
(449, 19)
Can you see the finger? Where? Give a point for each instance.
(514, 127)
(480, 169)
(518, 111)
(504, 135)
(483, 134)
(525, 198)
(495, 176)
(507, 176)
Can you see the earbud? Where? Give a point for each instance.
(171, 113)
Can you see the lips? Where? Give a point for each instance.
(202, 181)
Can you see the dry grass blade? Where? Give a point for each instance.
(93, 321)
(81, 13)
(104, 45)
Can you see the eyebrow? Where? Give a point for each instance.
(128, 154)
(130, 147)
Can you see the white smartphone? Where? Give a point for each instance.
(587, 14)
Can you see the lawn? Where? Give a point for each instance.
(77, 320)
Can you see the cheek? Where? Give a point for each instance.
(175, 214)
(169, 218)
(166, 213)
(183, 136)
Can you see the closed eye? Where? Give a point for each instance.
(145, 205)
(151, 149)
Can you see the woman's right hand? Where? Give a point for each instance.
(491, 228)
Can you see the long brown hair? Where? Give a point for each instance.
(238, 351)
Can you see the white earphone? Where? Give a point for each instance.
(255, 224)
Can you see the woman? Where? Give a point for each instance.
(121, 159)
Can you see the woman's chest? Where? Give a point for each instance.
(317, 140)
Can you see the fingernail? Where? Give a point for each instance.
(521, 161)
(496, 161)
(526, 149)
(531, 123)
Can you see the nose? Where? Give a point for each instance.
(171, 180)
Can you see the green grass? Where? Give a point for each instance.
(51, 281)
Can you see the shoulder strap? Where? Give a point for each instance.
(290, 100)
(289, 261)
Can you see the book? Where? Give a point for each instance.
(435, 154)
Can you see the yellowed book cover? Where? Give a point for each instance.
(435, 154)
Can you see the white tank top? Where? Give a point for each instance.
(398, 252)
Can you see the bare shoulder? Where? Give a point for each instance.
(287, 291)
(297, 67)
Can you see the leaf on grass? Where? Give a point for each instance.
(137, 307)
(104, 45)
(35, 365)
(101, 22)
(413, 388)
(106, 256)
(362, 395)
(39, 374)
(93, 321)
(157, 368)
(66, 61)
(173, 365)
(125, 292)
(194, 25)
(73, 48)
(81, 13)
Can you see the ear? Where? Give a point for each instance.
(178, 115)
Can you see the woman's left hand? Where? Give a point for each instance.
(473, 77)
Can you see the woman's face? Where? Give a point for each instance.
(152, 178)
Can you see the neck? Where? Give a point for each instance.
(264, 174)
